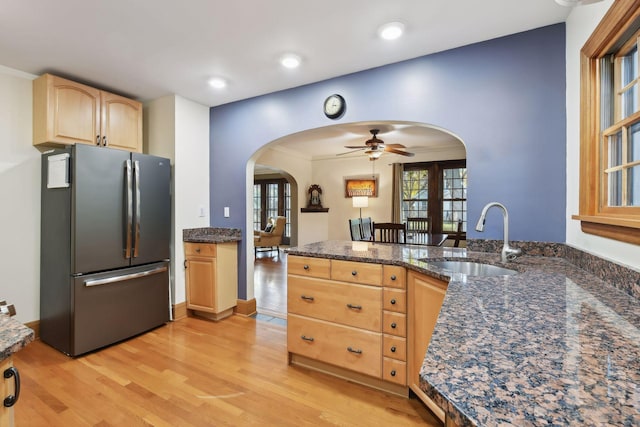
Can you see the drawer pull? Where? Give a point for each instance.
(354, 273)
(306, 298)
(393, 277)
(393, 325)
(393, 301)
(393, 349)
(306, 267)
(306, 338)
(198, 250)
(353, 350)
(354, 307)
(393, 373)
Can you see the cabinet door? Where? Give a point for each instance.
(6, 414)
(65, 112)
(425, 298)
(121, 122)
(201, 273)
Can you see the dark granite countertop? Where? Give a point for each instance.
(552, 345)
(211, 235)
(13, 336)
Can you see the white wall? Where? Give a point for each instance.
(178, 128)
(580, 24)
(19, 196)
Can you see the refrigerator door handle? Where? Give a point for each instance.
(136, 173)
(124, 277)
(129, 210)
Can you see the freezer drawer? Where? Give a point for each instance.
(110, 307)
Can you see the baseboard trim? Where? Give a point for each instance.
(35, 325)
(179, 311)
(246, 307)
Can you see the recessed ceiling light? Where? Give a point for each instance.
(391, 31)
(290, 60)
(218, 83)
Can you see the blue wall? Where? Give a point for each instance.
(505, 98)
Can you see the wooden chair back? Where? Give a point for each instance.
(389, 232)
(456, 242)
(419, 225)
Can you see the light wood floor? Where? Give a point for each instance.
(270, 283)
(197, 372)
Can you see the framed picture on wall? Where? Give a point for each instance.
(361, 187)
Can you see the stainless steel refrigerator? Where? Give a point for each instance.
(105, 246)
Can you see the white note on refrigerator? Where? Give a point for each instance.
(58, 171)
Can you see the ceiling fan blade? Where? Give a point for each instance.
(356, 146)
(395, 145)
(401, 152)
(352, 151)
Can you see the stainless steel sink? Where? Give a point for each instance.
(471, 268)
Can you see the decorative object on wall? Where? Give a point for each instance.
(375, 147)
(314, 202)
(360, 202)
(334, 106)
(361, 187)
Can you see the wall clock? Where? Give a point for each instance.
(334, 106)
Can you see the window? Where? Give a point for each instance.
(610, 126)
(437, 190)
(271, 198)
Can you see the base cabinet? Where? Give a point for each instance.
(211, 278)
(425, 297)
(8, 389)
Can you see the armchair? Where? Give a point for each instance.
(272, 237)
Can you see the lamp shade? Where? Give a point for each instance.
(360, 201)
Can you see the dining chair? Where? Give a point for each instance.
(367, 228)
(355, 229)
(390, 232)
(419, 225)
(456, 242)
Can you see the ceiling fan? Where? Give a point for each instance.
(375, 147)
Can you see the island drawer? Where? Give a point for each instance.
(394, 347)
(357, 272)
(394, 371)
(343, 346)
(394, 300)
(307, 266)
(348, 304)
(394, 276)
(200, 249)
(394, 323)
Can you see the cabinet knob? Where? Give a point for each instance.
(393, 325)
(393, 373)
(104, 141)
(393, 301)
(354, 273)
(97, 139)
(393, 349)
(306, 267)
(393, 277)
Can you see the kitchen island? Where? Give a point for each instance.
(551, 345)
(13, 337)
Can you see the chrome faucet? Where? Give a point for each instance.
(508, 253)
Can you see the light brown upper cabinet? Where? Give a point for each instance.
(66, 112)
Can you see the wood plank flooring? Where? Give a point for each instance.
(270, 283)
(196, 372)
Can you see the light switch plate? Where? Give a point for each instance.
(226, 211)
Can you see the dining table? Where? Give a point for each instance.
(426, 239)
